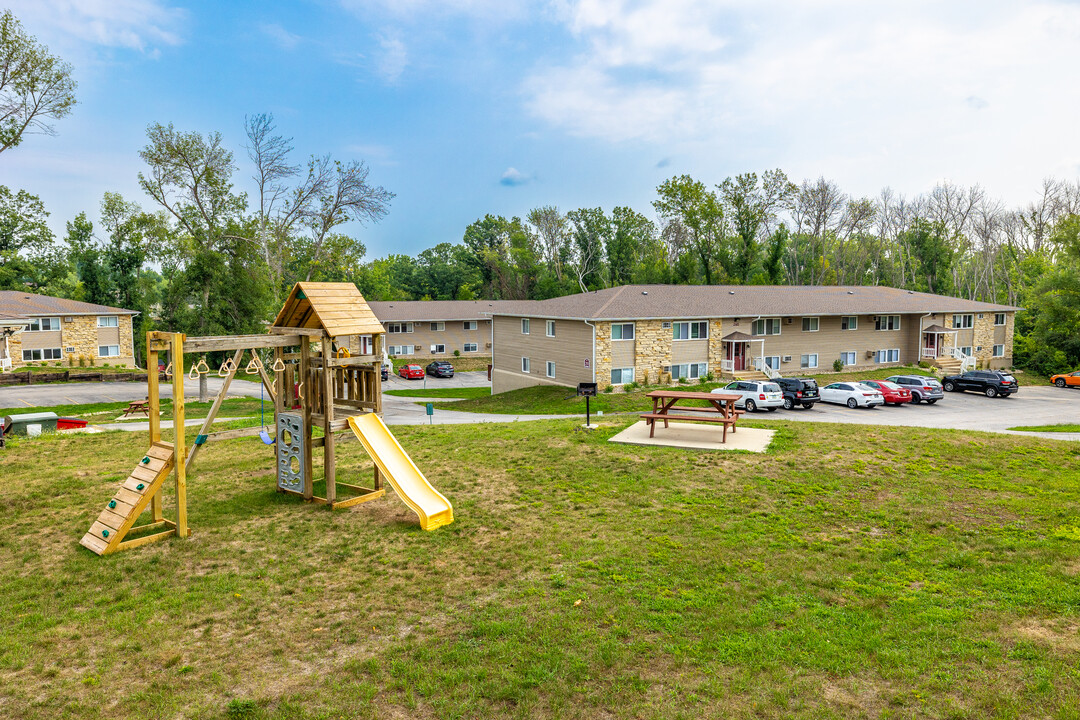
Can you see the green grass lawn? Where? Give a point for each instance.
(1063, 427)
(108, 412)
(849, 572)
(470, 392)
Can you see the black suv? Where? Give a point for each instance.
(440, 368)
(989, 382)
(798, 391)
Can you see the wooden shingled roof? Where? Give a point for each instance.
(338, 308)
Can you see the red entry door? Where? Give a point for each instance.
(740, 356)
(931, 343)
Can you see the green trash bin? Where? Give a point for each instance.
(30, 423)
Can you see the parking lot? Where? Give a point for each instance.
(958, 410)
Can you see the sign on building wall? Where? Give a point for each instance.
(587, 361)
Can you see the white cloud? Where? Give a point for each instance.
(392, 58)
(426, 9)
(284, 39)
(142, 25)
(514, 177)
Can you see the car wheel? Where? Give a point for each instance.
(808, 406)
(750, 406)
(991, 392)
(930, 402)
(852, 403)
(1060, 382)
(788, 403)
(915, 398)
(949, 387)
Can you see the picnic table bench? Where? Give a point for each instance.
(137, 406)
(721, 409)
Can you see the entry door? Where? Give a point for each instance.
(933, 341)
(740, 355)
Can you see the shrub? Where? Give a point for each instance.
(609, 388)
(91, 360)
(71, 360)
(82, 361)
(238, 709)
(683, 381)
(457, 353)
(837, 365)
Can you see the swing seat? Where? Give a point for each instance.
(265, 436)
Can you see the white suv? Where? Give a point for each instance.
(754, 395)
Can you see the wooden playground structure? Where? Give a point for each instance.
(330, 384)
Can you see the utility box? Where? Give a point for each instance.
(30, 423)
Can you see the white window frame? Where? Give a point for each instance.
(884, 321)
(888, 354)
(471, 347)
(468, 325)
(963, 321)
(772, 328)
(103, 321)
(35, 324)
(687, 327)
(438, 349)
(550, 328)
(999, 351)
(844, 354)
(852, 322)
(400, 350)
(399, 328)
(806, 359)
(624, 373)
(773, 365)
(811, 324)
(1003, 320)
(524, 326)
(437, 326)
(107, 353)
(622, 331)
(526, 365)
(693, 370)
(56, 354)
(550, 369)
(966, 349)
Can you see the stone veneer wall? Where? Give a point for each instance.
(984, 332)
(602, 358)
(81, 333)
(716, 346)
(652, 349)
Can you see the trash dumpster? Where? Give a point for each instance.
(31, 424)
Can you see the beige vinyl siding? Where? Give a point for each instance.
(569, 350)
(42, 339)
(110, 336)
(999, 334)
(623, 353)
(453, 337)
(689, 351)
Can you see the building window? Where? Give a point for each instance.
(550, 369)
(999, 318)
(622, 331)
(848, 358)
(400, 350)
(524, 326)
(524, 365)
(962, 322)
(691, 371)
(438, 349)
(887, 322)
(966, 349)
(42, 324)
(108, 351)
(469, 325)
(808, 361)
(42, 354)
(849, 322)
(772, 362)
(999, 351)
(621, 376)
(551, 328)
(437, 326)
(766, 326)
(399, 327)
(888, 356)
(108, 321)
(694, 330)
(470, 347)
(810, 324)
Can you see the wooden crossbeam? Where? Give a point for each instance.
(236, 342)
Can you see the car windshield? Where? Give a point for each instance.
(889, 386)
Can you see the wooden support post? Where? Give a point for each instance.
(377, 390)
(215, 408)
(154, 397)
(178, 441)
(329, 465)
(307, 394)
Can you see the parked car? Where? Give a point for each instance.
(852, 394)
(754, 395)
(798, 391)
(385, 372)
(411, 372)
(989, 382)
(440, 368)
(893, 393)
(1067, 379)
(922, 388)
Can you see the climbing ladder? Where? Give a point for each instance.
(118, 518)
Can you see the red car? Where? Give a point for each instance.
(411, 372)
(894, 394)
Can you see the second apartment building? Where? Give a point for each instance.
(437, 329)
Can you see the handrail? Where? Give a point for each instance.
(5, 363)
(760, 366)
(967, 362)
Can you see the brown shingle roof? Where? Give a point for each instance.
(337, 308)
(631, 302)
(24, 304)
(424, 310)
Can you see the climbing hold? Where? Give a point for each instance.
(146, 460)
(112, 504)
(140, 486)
(200, 439)
(104, 533)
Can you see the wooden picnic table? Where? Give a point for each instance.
(721, 409)
(137, 406)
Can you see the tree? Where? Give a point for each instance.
(35, 87)
(633, 236)
(551, 227)
(1054, 341)
(932, 255)
(591, 230)
(25, 238)
(751, 208)
(699, 211)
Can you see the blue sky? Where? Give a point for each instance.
(467, 107)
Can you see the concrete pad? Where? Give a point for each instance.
(696, 436)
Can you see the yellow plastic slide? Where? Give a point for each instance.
(397, 467)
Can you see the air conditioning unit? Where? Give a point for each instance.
(666, 368)
(69, 350)
(487, 345)
(980, 316)
(787, 320)
(869, 353)
(665, 326)
(874, 318)
(70, 319)
(787, 358)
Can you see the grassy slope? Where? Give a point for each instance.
(850, 572)
(471, 392)
(1063, 427)
(108, 412)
